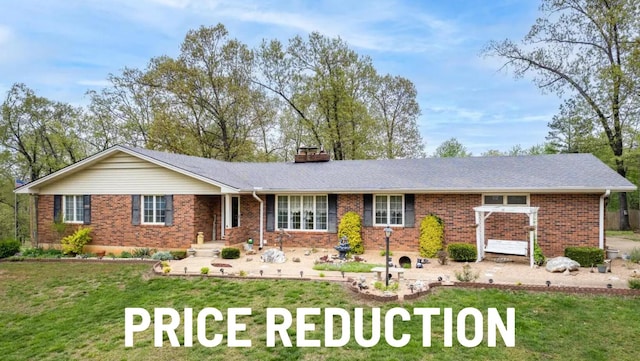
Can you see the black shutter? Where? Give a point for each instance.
(135, 209)
(86, 211)
(57, 208)
(367, 220)
(271, 212)
(409, 210)
(332, 215)
(168, 210)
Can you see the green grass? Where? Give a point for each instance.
(630, 235)
(75, 311)
(346, 267)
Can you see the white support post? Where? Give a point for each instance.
(480, 235)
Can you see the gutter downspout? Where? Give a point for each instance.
(601, 228)
(261, 218)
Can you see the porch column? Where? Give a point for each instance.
(480, 235)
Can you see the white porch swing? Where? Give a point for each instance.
(515, 247)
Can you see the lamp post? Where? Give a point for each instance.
(387, 234)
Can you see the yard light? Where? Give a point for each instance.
(261, 272)
(222, 270)
(185, 270)
(387, 234)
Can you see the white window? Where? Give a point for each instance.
(389, 210)
(308, 212)
(73, 209)
(506, 199)
(154, 209)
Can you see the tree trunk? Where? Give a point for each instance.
(624, 212)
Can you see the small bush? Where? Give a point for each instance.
(586, 256)
(462, 252)
(634, 283)
(351, 227)
(179, 254)
(204, 270)
(467, 274)
(538, 257)
(431, 235)
(9, 247)
(166, 269)
(74, 243)
(142, 253)
(126, 254)
(162, 256)
(383, 252)
(242, 273)
(634, 256)
(34, 252)
(230, 253)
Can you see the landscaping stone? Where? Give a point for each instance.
(560, 264)
(273, 255)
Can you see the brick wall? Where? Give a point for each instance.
(563, 220)
(111, 223)
(566, 220)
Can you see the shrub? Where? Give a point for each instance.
(179, 254)
(538, 257)
(431, 235)
(204, 270)
(384, 252)
(634, 256)
(467, 274)
(74, 243)
(230, 253)
(166, 269)
(33, 252)
(142, 252)
(634, 283)
(242, 273)
(162, 256)
(586, 256)
(9, 247)
(462, 252)
(351, 226)
(126, 254)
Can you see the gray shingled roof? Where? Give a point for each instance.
(543, 173)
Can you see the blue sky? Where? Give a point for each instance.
(63, 48)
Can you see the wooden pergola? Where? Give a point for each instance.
(483, 212)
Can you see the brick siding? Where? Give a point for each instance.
(563, 220)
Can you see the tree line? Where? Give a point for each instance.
(220, 99)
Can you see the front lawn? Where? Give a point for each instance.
(630, 235)
(65, 311)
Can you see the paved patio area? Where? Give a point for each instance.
(497, 272)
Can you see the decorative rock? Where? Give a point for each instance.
(307, 253)
(250, 252)
(419, 286)
(249, 259)
(273, 255)
(560, 264)
(296, 259)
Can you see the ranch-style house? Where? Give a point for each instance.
(134, 197)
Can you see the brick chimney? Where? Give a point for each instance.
(311, 154)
